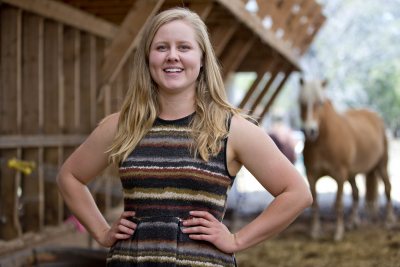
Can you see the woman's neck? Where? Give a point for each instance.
(175, 106)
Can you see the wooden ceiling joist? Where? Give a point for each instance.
(274, 72)
(68, 15)
(203, 8)
(237, 8)
(275, 94)
(127, 38)
(221, 35)
(261, 70)
(237, 54)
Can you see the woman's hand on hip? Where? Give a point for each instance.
(204, 226)
(122, 228)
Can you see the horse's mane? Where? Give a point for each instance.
(312, 91)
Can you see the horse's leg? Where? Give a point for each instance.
(390, 216)
(354, 217)
(315, 223)
(372, 195)
(339, 211)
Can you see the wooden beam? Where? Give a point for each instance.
(222, 34)
(127, 39)
(274, 95)
(32, 141)
(264, 67)
(237, 8)
(310, 36)
(298, 21)
(202, 8)
(53, 44)
(10, 121)
(233, 63)
(274, 73)
(68, 15)
(312, 15)
(268, 8)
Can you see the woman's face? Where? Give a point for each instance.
(175, 58)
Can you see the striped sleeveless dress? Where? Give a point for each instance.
(162, 182)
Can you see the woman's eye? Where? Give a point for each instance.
(184, 47)
(161, 48)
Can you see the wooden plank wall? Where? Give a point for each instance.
(48, 105)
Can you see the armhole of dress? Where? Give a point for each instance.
(228, 124)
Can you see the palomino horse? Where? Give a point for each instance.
(341, 146)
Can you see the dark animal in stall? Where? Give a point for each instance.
(342, 146)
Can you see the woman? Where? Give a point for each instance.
(179, 145)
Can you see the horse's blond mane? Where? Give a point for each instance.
(312, 91)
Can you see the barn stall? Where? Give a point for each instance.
(65, 65)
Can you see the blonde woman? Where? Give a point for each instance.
(179, 145)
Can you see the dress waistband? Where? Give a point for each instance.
(161, 218)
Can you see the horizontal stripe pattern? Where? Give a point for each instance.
(162, 181)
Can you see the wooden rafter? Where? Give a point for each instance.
(262, 69)
(319, 21)
(236, 54)
(127, 39)
(236, 7)
(203, 8)
(221, 35)
(299, 21)
(275, 94)
(274, 72)
(68, 15)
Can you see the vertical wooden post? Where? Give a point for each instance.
(52, 58)
(32, 27)
(10, 110)
(93, 80)
(84, 87)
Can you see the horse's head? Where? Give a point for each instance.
(311, 98)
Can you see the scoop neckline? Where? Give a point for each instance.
(176, 120)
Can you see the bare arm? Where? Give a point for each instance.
(250, 146)
(276, 174)
(87, 161)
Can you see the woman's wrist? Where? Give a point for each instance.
(236, 243)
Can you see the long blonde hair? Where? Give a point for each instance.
(140, 107)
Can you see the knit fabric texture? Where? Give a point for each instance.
(162, 181)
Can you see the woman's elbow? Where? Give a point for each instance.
(307, 198)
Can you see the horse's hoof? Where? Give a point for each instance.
(339, 234)
(390, 222)
(338, 237)
(315, 236)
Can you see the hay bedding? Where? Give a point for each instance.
(367, 246)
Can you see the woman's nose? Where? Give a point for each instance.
(172, 55)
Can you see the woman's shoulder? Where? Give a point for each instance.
(108, 125)
(246, 130)
(241, 122)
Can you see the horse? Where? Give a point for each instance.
(342, 145)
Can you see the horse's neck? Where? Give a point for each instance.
(330, 120)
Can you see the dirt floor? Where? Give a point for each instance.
(370, 245)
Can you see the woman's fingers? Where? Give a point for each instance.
(127, 214)
(204, 226)
(127, 223)
(124, 228)
(203, 214)
(197, 230)
(197, 221)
